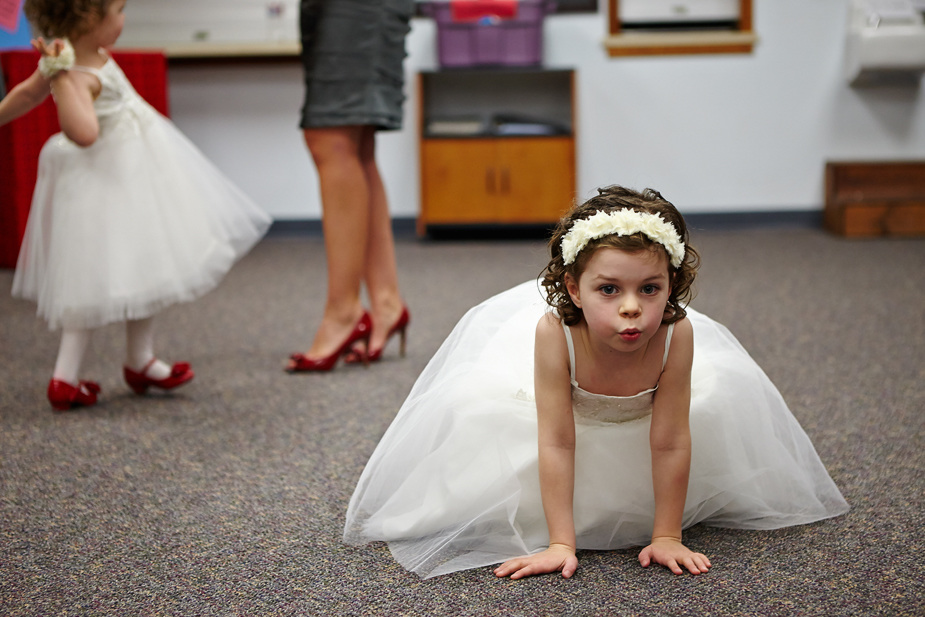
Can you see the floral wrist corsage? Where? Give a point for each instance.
(49, 66)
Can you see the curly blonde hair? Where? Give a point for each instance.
(65, 18)
(609, 199)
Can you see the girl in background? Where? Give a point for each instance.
(616, 419)
(127, 217)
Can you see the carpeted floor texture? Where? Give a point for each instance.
(228, 497)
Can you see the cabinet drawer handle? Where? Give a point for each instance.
(505, 180)
(490, 180)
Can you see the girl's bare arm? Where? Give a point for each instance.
(670, 442)
(74, 92)
(556, 429)
(24, 97)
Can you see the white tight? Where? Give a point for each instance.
(74, 344)
(139, 350)
(139, 342)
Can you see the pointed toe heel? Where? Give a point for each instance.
(400, 327)
(300, 363)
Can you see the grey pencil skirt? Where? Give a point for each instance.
(352, 53)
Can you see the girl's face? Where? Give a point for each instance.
(110, 26)
(623, 296)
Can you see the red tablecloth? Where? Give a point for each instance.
(22, 140)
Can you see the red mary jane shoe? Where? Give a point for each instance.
(64, 396)
(139, 382)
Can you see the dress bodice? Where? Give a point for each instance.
(591, 408)
(116, 94)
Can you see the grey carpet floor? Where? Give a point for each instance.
(228, 496)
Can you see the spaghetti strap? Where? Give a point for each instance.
(667, 344)
(571, 351)
(88, 69)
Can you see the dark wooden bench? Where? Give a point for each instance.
(880, 198)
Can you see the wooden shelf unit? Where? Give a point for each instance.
(484, 178)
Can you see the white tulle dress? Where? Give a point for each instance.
(454, 482)
(135, 222)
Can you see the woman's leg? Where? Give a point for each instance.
(345, 221)
(381, 270)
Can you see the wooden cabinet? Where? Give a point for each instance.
(510, 180)
(497, 147)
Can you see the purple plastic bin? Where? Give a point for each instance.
(516, 41)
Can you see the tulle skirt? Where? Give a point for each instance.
(454, 482)
(136, 222)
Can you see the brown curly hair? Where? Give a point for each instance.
(65, 18)
(608, 199)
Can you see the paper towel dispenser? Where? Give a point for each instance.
(886, 42)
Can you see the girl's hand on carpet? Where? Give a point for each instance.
(672, 554)
(557, 557)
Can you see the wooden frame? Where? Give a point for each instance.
(623, 43)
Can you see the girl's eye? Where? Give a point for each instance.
(650, 289)
(608, 290)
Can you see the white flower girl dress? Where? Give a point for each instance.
(454, 483)
(135, 222)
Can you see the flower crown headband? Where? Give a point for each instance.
(624, 222)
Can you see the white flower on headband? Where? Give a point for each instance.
(49, 66)
(623, 222)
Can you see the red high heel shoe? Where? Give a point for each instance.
(139, 382)
(400, 326)
(303, 364)
(63, 395)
